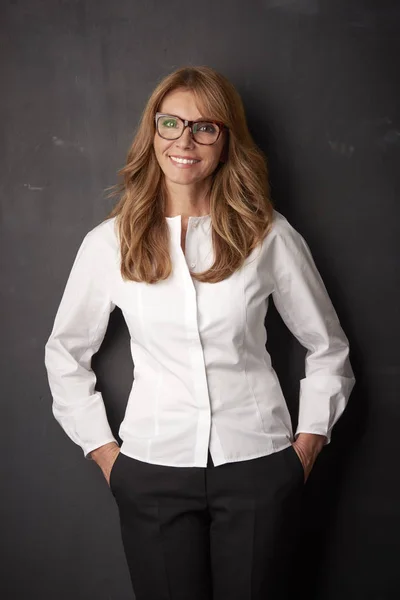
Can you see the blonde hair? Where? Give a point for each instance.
(241, 210)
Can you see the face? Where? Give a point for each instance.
(182, 104)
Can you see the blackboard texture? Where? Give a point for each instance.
(320, 83)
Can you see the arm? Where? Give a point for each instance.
(79, 328)
(302, 300)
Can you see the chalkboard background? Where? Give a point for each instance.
(320, 84)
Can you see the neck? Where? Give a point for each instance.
(187, 200)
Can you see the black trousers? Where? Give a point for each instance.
(214, 533)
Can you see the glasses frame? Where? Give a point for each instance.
(187, 123)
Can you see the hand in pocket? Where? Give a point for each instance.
(110, 467)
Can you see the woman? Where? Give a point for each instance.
(209, 476)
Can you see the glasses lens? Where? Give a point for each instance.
(205, 132)
(170, 127)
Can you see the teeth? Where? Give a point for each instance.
(184, 161)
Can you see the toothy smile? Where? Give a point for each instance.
(184, 161)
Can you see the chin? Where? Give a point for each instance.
(183, 180)
(183, 176)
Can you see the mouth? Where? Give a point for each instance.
(182, 162)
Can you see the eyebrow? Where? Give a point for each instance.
(179, 117)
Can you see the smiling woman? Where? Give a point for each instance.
(209, 475)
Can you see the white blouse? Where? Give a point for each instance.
(203, 377)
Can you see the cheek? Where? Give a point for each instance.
(159, 148)
(216, 154)
(213, 159)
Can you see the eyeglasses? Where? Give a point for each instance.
(171, 127)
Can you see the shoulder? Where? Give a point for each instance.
(99, 248)
(103, 236)
(283, 234)
(284, 248)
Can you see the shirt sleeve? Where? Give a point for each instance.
(79, 328)
(302, 300)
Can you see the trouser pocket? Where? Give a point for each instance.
(114, 472)
(298, 465)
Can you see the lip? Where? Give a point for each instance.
(183, 165)
(186, 157)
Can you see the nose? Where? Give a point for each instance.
(186, 139)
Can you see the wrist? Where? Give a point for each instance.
(98, 453)
(313, 442)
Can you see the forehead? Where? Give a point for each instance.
(181, 103)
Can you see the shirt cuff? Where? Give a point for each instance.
(322, 401)
(85, 421)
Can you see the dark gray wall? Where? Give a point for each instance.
(320, 84)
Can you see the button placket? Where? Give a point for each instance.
(195, 347)
(191, 227)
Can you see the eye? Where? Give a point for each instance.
(169, 122)
(206, 127)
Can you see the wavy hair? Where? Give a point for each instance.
(241, 210)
